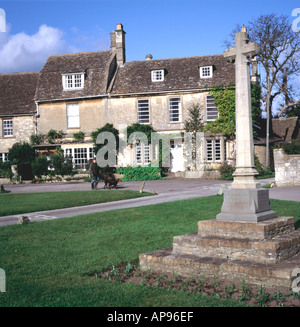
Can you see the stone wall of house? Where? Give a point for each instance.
(23, 127)
(123, 111)
(92, 115)
(287, 168)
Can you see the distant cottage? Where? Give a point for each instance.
(83, 91)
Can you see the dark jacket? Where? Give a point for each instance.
(94, 170)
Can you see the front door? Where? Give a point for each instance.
(177, 163)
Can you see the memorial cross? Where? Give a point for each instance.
(244, 175)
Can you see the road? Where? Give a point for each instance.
(166, 190)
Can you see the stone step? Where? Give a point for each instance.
(268, 275)
(273, 250)
(267, 229)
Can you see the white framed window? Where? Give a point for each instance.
(73, 81)
(143, 111)
(175, 109)
(73, 115)
(211, 110)
(7, 128)
(80, 156)
(142, 154)
(206, 72)
(3, 157)
(157, 75)
(213, 150)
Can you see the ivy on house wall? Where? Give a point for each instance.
(225, 103)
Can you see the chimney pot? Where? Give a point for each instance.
(149, 57)
(119, 27)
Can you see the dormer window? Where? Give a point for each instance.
(157, 75)
(206, 72)
(73, 81)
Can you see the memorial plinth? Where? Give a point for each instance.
(246, 241)
(260, 253)
(248, 205)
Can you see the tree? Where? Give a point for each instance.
(62, 165)
(108, 171)
(279, 58)
(137, 127)
(106, 128)
(22, 154)
(194, 124)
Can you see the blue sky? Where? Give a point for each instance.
(163, 28)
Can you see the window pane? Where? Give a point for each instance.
(211, 110)
(146, 154)
(80, 156)
(73, 115)
(206, 72)
(143, 111)
(73, 81)
(68, 152)
(77, 80)
(217, 150)
(7, 127)
(209, 150)
(175, 109)
(138, 153)
(157, 75)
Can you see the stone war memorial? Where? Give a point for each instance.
(246, 241)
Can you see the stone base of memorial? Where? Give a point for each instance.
(250, 205)
(263, 253)
(246, 241)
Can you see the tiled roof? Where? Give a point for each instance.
(97, 66)
(285, 127)
(17, 93)
(180, 74)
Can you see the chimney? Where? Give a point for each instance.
(149, 57)
(117, 44)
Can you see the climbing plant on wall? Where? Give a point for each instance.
(225, 103)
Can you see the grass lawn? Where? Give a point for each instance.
(52, 263)
(13, 204)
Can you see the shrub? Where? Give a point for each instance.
(79, 136)
(40, 166)
(53, 135)
(5, 170)
(226, 171)
(289, 148)
(61, 165)
(36, 139)
(140, 173)
(22, 154)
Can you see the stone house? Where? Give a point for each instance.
(84, 91)
(17, 109)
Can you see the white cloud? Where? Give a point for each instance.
(22, 52)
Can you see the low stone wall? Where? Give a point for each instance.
(4, 180)
(204, 174)
(287, 168)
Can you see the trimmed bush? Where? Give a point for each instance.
(5, 170)
(226, 171)
(139, 173)
(40, 166)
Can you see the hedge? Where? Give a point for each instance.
(139, 173)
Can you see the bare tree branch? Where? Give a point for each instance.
(289, 105)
